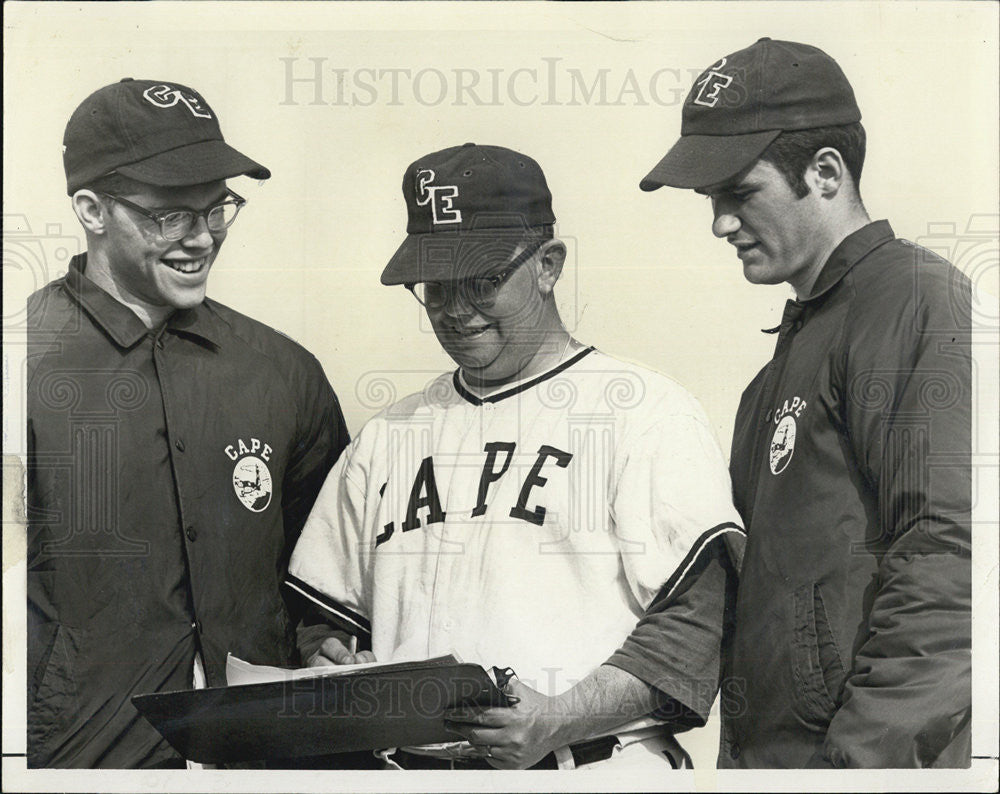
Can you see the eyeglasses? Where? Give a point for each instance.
(177, 222)
(480, 291)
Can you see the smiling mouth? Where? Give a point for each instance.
(471, 333)
(187, 266)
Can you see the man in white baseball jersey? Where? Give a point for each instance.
(526, 508)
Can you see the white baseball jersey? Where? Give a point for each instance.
(529, 527)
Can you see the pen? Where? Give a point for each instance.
(503, 676)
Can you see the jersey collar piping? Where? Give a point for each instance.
(528, 384)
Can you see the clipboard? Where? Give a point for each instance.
(391, 705)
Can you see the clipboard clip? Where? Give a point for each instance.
(503, 675)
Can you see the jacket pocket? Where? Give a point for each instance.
(817, 668)
(53, 705)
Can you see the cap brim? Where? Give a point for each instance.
(449, 256)
(195, 164)
(697, 161)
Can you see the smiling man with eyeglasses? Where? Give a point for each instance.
(175, 446)
(524, 509)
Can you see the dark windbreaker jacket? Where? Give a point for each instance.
(851, 469)
(169, 474)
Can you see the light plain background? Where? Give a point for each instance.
(646, 280)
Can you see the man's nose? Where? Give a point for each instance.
(725, 221)
(199, 235)
(456, 304)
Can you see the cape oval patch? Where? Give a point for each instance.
(252, 483)
(782, 445)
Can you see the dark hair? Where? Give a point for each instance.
(791, 152)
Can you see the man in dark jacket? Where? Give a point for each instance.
(850, 458)
(175, 446)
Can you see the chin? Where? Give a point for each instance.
(187, 301)
(484, 373)
(761, 274)
(465, 361)
(477, 368)
(472, 357)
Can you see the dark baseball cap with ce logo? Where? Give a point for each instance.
(468, 209)
(155, 131)
(740, 104)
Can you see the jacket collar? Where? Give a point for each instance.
(122, 324)
(852, 249)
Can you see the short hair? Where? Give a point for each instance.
(791, 152)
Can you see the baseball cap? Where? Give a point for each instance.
(155, 131)
(468, 207)
(741, 103)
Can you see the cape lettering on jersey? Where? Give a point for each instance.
(424, 494)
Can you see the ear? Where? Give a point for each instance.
(90, 211)
(552, 256)
(827, 172)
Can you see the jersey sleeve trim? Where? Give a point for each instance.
(344, 615)
(530, 384)
(696, 549)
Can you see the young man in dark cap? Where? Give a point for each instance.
(850, 458)
(524, 509)
(175, 446)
